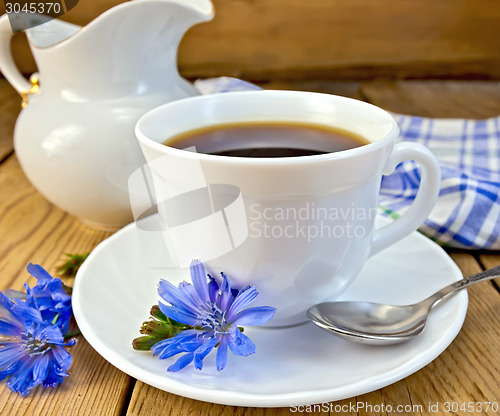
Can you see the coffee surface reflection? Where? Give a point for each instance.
(267, 139)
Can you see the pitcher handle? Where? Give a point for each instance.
(7, 65)
(424, 201)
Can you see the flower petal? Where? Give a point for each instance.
(213, 288)
(62, 359)
(41, 369)
(39, 272)
(254, 316)
(44, 302)
(15, 294)
(7, 371)
(165, 349)
(243, 299)
(176, 296)
(199, 279)
(190, 293)
(54, 377)
(26, 312)
(186, 341)
(202, 351)
(21, 381)
(221, 358)
(8, 311)
(182, 362)
(10, 354)
(9, 329)
(169, 352)
(241, 345)
(179, 315)
(70, 343)
(225, 297)
(52, 333)
(30, 298)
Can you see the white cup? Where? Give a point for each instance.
(298, 228)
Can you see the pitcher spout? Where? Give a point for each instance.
(130, 49)
(52, 32)
(43, 31)
(203, 9)
(193, 11)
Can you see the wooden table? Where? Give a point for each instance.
(33, 230)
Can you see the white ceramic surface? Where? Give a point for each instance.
(116, 286)
(300, 228)
(75, 138)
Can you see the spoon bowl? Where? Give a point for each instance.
(380, 324)
(368, 322)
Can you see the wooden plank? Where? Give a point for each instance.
(33, 230)
(147, 400)
(490, 260)
(351, 89)
(267, 39)
(10, 105)
(336, 39)
(462, 99)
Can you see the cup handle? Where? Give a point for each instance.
(7, 65)
(424, 201)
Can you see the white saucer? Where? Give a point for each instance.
(301, 365)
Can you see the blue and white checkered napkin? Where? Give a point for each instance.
(467, 214)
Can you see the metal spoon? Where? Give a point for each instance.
(379, 324)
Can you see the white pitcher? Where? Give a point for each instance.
(75, 135)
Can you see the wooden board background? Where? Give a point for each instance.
(33, 230)
(332, 39)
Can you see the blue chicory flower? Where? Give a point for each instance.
(31, 349)
(49, 296)
(215, 312)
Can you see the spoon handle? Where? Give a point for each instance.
(450, 290)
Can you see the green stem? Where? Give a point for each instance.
(72, 334)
